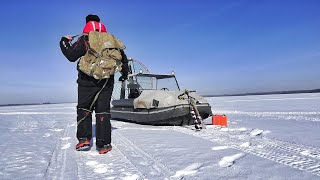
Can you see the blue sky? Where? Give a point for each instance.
(214, 46)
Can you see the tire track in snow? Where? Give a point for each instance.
(63, 162)
(54, 169)
(292, 147)
(286, 153)
(113, 165)
(141, 159)
(67, 163)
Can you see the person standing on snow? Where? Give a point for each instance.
(93, 94)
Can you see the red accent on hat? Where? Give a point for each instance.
(94, 26)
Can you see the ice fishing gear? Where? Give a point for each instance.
(74, 36)
(104, 57)
(194, 112)
(220, 120)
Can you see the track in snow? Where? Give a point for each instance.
(125, 161)
(287, 153)
(142, 160)
(67, 163)
(57, 166)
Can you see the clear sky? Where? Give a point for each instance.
(214, 46)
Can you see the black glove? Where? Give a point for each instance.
(123, 77)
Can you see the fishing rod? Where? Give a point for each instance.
(76, 35)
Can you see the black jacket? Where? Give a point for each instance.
(78, 49)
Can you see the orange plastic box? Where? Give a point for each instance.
(220, 120)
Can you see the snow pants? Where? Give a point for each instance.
(101, 107)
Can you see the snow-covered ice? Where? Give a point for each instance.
(245, 145)
(191, 169)
(256, 132)
(66, 146)
(268, 137)
(228, 161)
(216, 148)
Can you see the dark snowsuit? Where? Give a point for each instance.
(87, 89)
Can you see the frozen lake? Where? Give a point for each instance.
(268, 137)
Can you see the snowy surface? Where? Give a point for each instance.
(268, 137)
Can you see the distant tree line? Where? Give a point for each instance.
(268, 93)
(25, 104)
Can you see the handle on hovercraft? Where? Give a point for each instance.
(186, 92)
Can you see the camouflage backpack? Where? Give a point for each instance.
(103, 57)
